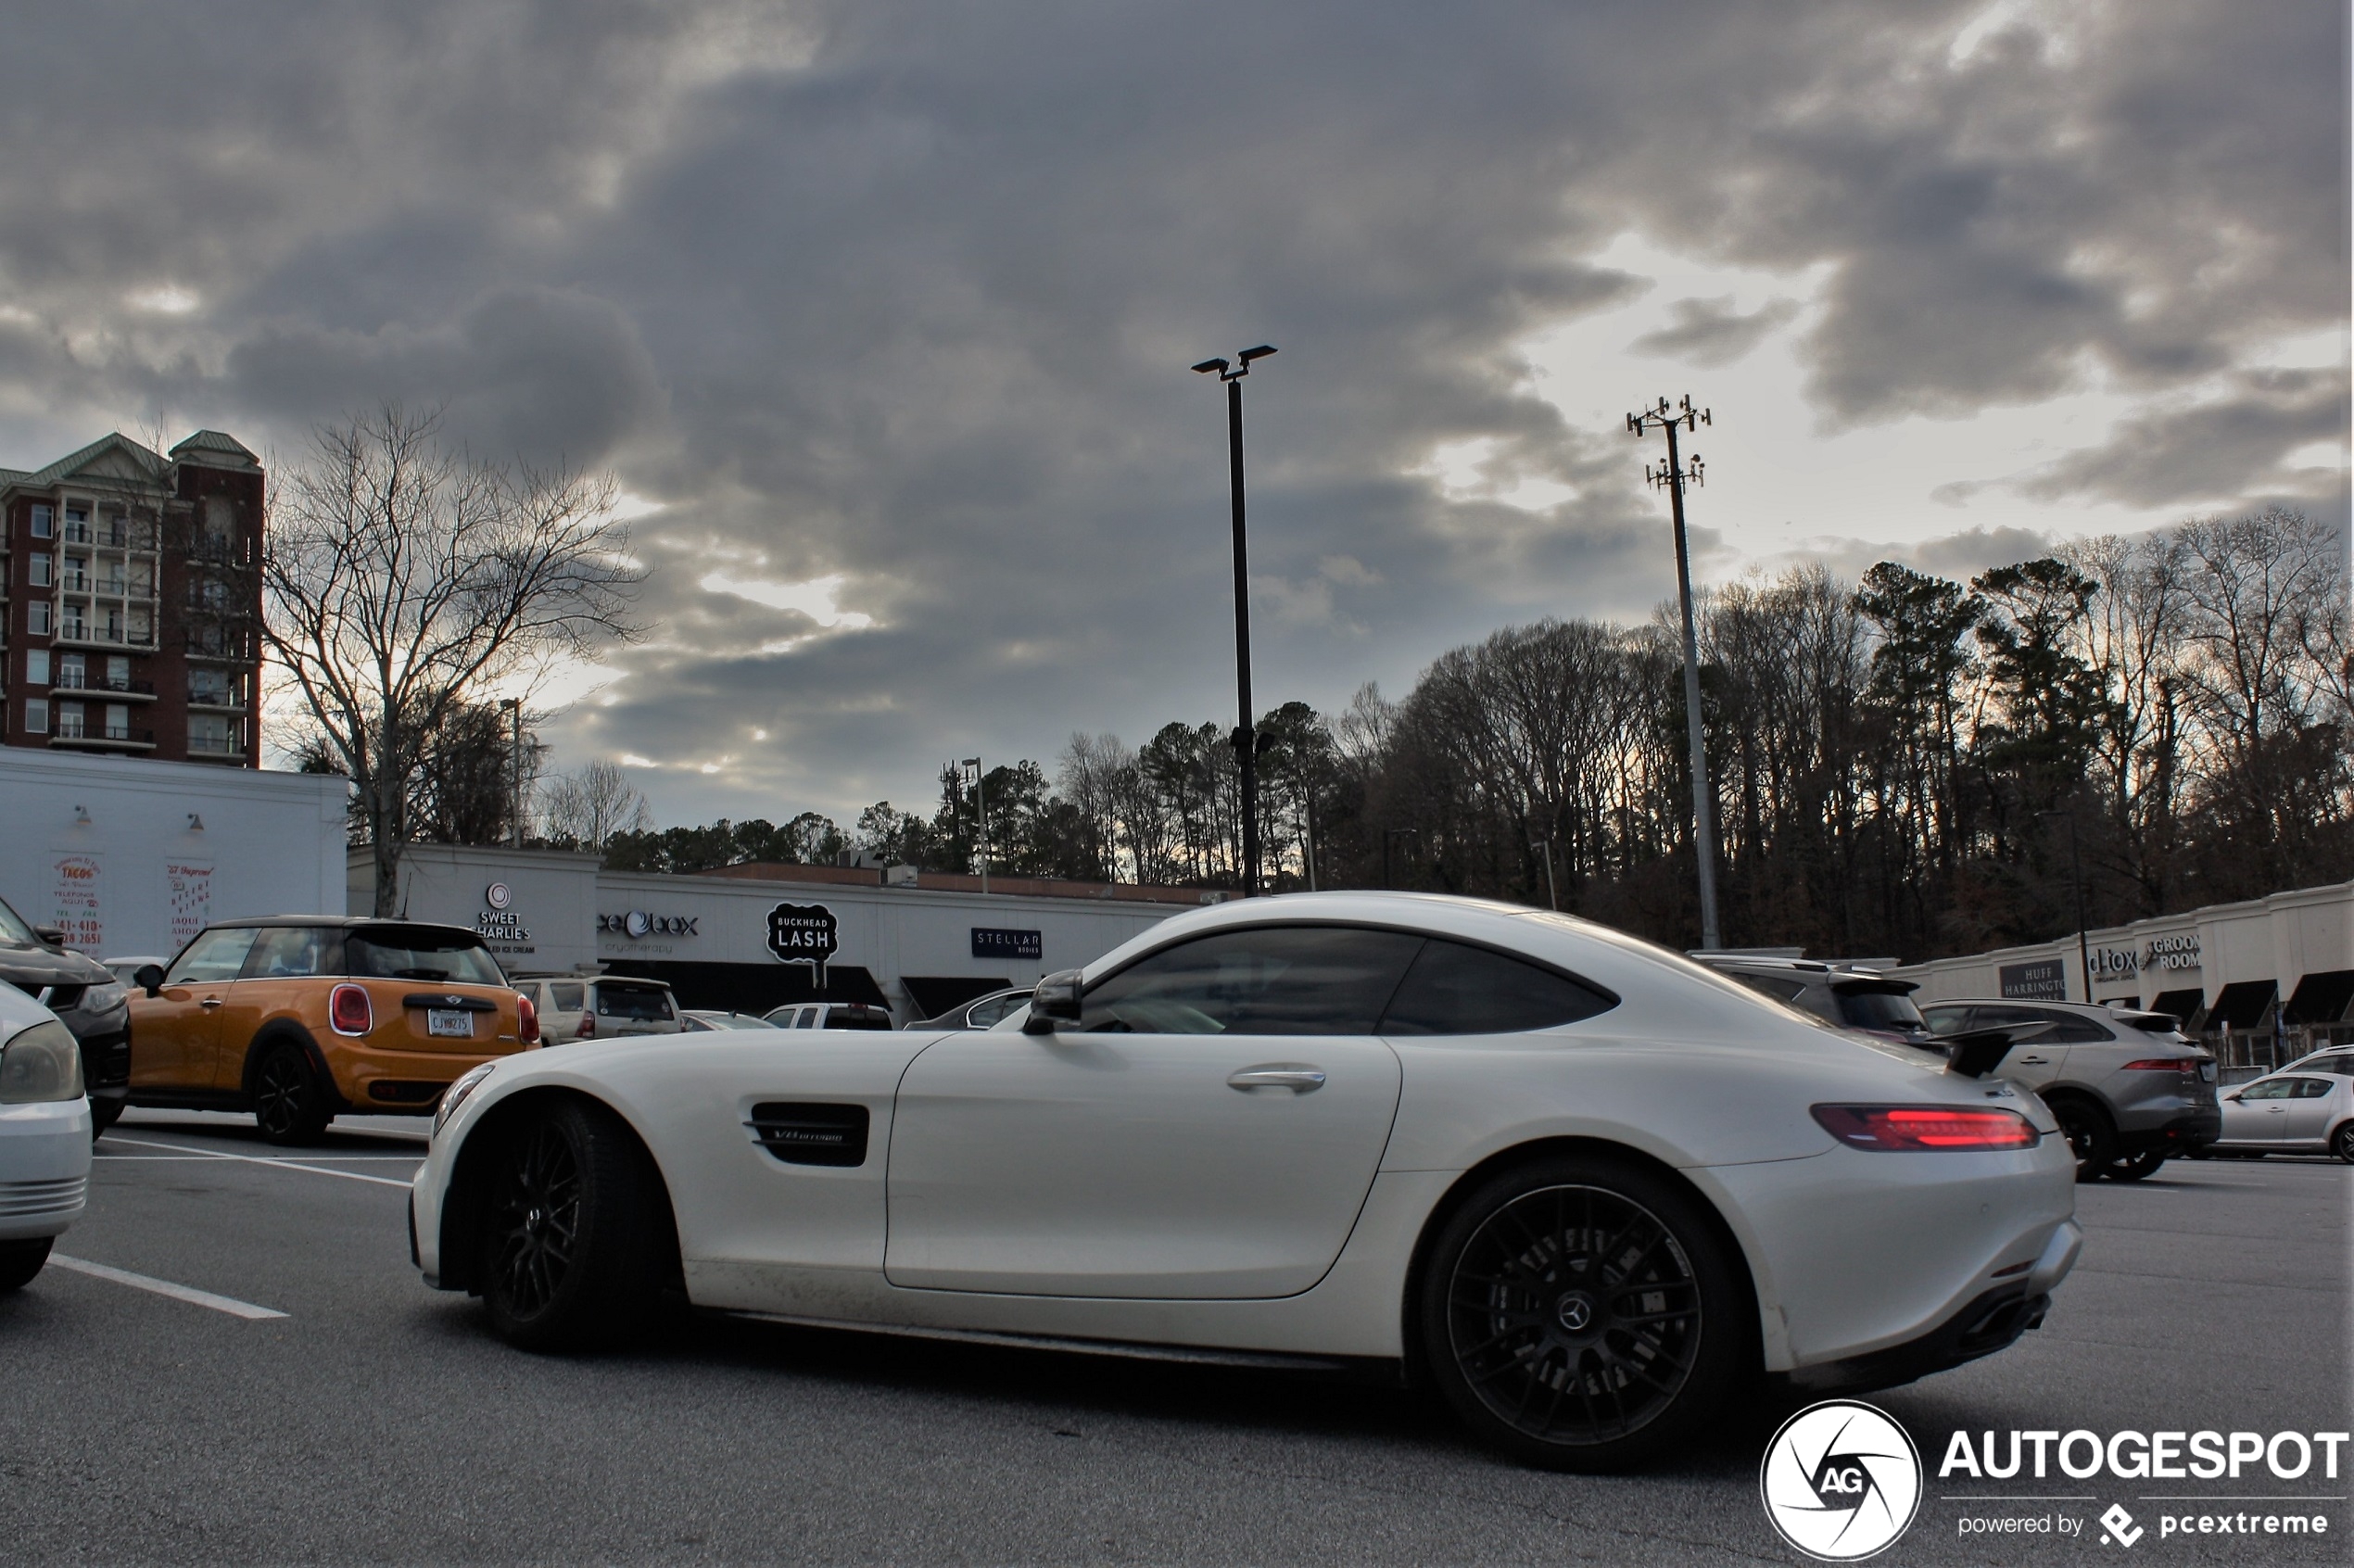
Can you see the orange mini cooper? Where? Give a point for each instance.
(299, 1016)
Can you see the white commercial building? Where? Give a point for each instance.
(131, 856)
(753, 937)
(2263, 979)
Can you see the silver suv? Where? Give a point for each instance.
(2128, 1088)
(1838, 994)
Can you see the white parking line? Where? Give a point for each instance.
(256, 1159)
(189, 1294)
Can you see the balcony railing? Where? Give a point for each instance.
(69, 681)
(70, 727)
(77, 532)
(217, 745)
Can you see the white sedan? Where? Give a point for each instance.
(1586, 1188)
(44, 1136)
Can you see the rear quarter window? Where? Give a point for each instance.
(1452, 988)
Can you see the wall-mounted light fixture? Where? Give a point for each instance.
(196, 823)
(82, 817)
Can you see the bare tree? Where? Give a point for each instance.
(587, 807)
(404, 579)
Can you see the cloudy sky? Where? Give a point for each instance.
(881, 313)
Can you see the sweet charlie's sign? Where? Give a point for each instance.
(805, 933)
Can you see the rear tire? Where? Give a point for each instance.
(19, 1260)
(289, 1103)
(2087, 1129)
(2342, 1143)
(2135, 1167)
(1582, 1314)
(573, 1235)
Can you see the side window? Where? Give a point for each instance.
(1946, 1021)
(2312, 1088)
(807, 1018)
(568, 997)
(1271, 979)
(214, 956)
(990, 1012)
(2278, 1089)
(1453, 988)
(2073, 1029)
(1782, 988)
(287, 952)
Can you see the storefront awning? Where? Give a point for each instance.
(2320, 998)
(934, 995)
(2241, 1004)
(2183, 1005)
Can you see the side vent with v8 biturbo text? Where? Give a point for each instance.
(801, 1133)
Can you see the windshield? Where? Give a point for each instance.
(13, 929)
(1877, 1009)
(422, 954)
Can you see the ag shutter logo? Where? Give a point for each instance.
(1840, 1481)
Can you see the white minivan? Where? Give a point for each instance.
(44, 1136)
(600, 1007)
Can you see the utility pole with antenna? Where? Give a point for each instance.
(1671, 477)
(980, 810)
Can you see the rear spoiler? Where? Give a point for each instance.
(1975, 1052)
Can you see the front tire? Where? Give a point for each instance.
(1582, 1314)
(19, 1260)
(2088, 1130)
(2342, 1143)
(571, 1243)
(289, 1103)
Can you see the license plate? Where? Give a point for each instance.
(455, 1023)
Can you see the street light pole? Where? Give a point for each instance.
(981, 809)
(1246, 731)
(515, 824)
(1552, 894)
(1672, 478)
(2076, 881)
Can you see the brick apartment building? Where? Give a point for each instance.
(131, 601)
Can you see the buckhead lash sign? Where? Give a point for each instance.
(805, 933)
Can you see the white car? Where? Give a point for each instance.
(1586, 1187)
(2290, 1112)
(44, 1136)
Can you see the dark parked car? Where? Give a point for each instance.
(85, 995)
(982, 1012)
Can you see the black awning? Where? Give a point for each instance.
(2240, 1004)
(2183, 1005)
(2320, 998)
(934, 995)
(753, 988)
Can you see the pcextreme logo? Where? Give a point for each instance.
(1842, 1481)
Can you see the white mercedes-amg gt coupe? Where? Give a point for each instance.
(1586, 1187)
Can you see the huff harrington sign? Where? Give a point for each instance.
(805, 933)
(2043, 982)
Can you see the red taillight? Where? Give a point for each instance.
(588, 1029)
(348, 1010)
(526, 1019)
(2162, 1064)
(1915, 1129)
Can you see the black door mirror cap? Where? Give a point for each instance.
(1056, 1000)
(149, 979)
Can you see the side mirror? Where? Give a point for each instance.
(1056, 1001)
(49, 936)
(149, 979)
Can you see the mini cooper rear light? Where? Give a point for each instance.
(1916, 1128)
(526, 1019)
(2162, 1064)
(348, 1010)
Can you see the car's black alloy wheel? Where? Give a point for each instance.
(2086, 1128)
(573, 1236)
(1583, 1315)
(2342, 1144)
(2133, 1166)
(289, 1104)
(19, 1260)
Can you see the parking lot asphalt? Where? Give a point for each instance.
(377, 1421)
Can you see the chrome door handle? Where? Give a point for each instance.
(2031, 1061)
(1299, 1080)
(209, 1001)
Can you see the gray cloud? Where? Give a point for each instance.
(1711, 332)
(904, 295)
